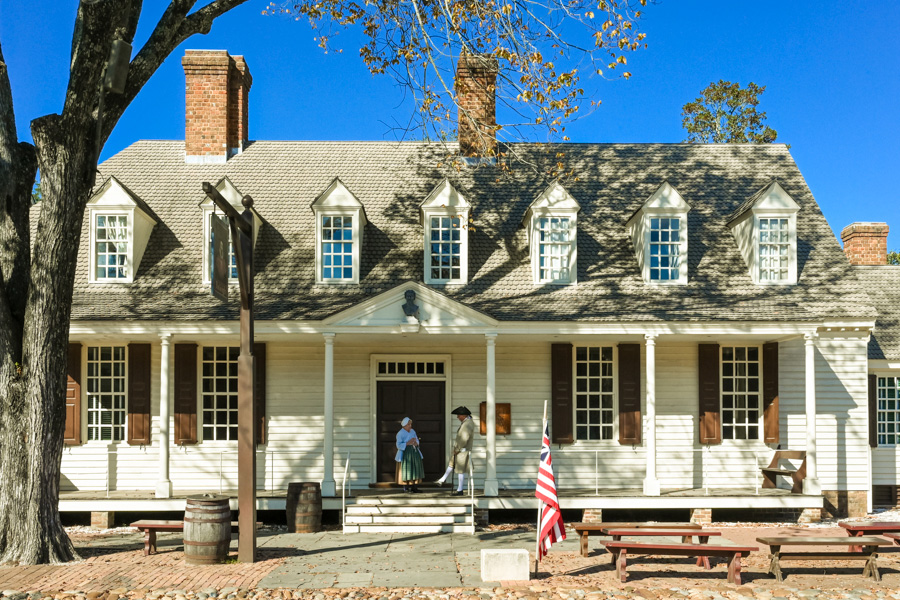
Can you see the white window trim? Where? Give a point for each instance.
(534, 241)
(760, 440)
(682, 245)
(84, 396)
(614, 441)
(200, 439)
(875, 425)
(463, 214)
(357, 236)
(791, 216)
(96, 211)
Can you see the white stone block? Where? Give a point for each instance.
(504, 565)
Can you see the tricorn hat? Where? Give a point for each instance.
(460, 410)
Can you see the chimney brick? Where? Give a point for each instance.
(476, 84)
(865, 243)
(217, 87)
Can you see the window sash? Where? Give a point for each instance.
(554, 235)
(888, 414)
(337, 247)
(741, 392)
(219, 392)
(111, 245)
(595, 401)
(774, 249)
(664, 249)
(445, 248)
(106, 393)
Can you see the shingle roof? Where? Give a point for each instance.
(883, 286)
(391, 179)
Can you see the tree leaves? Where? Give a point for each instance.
(725, 113)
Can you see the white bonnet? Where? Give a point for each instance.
(405, 421)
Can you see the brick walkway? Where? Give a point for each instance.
(111, 568)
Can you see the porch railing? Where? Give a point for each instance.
(344, 490)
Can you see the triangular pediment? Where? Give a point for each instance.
(229, 191)
(666, 197)
(444, 197)
(338, 197)
(114, 194)
(774, 198)
(435, 311)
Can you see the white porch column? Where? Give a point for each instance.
(328, 485)
(163, 483)
(651, 483)
(491, 487)
(811, 484)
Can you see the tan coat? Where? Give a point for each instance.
(462, 446)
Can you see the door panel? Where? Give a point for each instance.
(421, 401)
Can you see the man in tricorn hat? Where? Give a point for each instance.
(462, 447)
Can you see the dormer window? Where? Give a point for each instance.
(659, 234)
(120, 228)
(765, 227)
(340, 222)
(445, 217)
(233, 196)
(551, 225)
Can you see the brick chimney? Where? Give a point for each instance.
(476, 83)
(865, 243)
(217, 87)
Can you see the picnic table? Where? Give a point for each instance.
(151, 527)
(869, 528)
(585, 530)
(868, 551)
(686, 535)
(621, 550)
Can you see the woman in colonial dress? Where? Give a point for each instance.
(410, 470)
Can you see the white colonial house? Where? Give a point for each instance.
(684, 310)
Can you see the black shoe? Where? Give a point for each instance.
(457, 493)
(405, 490)
(416, 490)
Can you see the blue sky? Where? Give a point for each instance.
(831, 70)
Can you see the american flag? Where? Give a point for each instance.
(552, 527)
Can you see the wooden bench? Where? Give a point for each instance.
(686, 536)
(885, 528)
(868, 551)
(150, 528)
(621, 550)
(775, 469)
(585, 530)
(893, 536)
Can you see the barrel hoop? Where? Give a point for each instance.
(309, 514)
(190, 543)
(210, 521)
(207, 511)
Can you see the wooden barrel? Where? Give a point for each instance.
(207, 529)
(304, 507)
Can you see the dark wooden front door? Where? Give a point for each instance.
(421, 401)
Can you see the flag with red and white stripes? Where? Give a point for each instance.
(552, 529)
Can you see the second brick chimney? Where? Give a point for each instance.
(217, 87)
(476, 83)
(865, 243)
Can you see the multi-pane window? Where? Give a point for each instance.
(665, 245)
(337, 247)
(774, 250)
(888, 411)
(232, 259)
(555, 245)
(594, 393)
(111, 246)
(106, 393)
(740, 392)
(219, 392)
(445, 248)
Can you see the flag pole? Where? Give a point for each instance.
(537, 548)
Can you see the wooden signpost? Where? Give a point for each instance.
(242, 237)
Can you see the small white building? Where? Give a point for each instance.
(684, 309)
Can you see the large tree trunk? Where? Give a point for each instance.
(36, 286)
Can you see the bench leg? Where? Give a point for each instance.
(620, 564)
(871, 569)
(769, 481)
(702, 561)
(734, 569)
(856, 534)
(584, 544)
(775, 567)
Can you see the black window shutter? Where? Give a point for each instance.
(72, 436)
(630, 394)
(873, 411)
(561, 393)
(710, 415)
(139, 394)
(185, 400)
(259, 360)
(770, 393)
